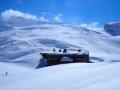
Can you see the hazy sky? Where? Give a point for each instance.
(70, 11)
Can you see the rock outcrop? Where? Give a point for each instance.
(113, 28)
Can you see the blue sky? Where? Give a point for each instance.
(71, 11)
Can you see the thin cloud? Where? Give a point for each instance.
(93, 25)
(17, 18)
(58, 18)
(42, 18)
(6, 15)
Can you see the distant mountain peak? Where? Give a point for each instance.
(113, 28)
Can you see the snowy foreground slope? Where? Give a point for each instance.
(23, 44)
(77, 76)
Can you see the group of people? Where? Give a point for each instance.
(64, 50)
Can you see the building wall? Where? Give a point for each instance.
(53, 59)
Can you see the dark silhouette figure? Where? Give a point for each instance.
(60, 50)
(54, 50)
(6, 73)
(79, 50)
(64, 50)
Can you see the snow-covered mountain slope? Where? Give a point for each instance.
(77, 76)
(25, 43)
